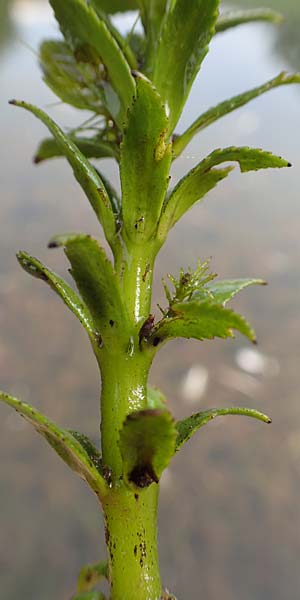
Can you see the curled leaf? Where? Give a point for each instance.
(228, 106)
(63, 442)
(85, 174)
(230, 19)
(189, 426)
(35, 268)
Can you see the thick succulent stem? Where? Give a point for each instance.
(130, 513)
(131, 537)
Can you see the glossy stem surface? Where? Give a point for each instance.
(131, 537)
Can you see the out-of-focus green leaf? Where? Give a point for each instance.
(97, 283)
(145, 162)
(224, 290)
(200, 320)
(63, 442)
(240, 17)
(114, 6)
(204, 177)
(147, 443)
(122, 41)
(226, 107)
(187, 427)
(35, 268)
(152, 14)
(90, 575)
(90, 147)
(155, 398)
(85, 174)
(183, 45)
(90, 36)
(76, 83)
(89, 596)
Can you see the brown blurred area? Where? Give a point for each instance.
(229, 515)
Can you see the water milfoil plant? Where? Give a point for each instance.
(135, 88)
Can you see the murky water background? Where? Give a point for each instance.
(230, 516)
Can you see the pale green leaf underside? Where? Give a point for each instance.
(90, 575)
(62, 441)
(228, 106)
(97, 282)
(224, 290)
(75, 82)
(189, 426)
(90, 147)
(155, 398)
(85, 174)
(200, 320)
(147, 444)
(241, 17)
(83, 29)
(204, 177)
(35, 268)
(182, 47)
(145, 161)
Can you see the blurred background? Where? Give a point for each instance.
(229, 512)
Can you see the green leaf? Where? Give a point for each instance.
(87, 33)
(200, 320)
(187, 427)
(90, 575)
(147, 443)
(204, 177)
(35, 268)
(240, 17)
(152, 14)
(75, 82)
(224, 290)
(145, 162)
(85, 174)
(114, 6)
(123, 42)
(97, 283)
(90, 147)
(192, 188)
(63, 442)
(155, 398)
(226, 107)
(182, 47)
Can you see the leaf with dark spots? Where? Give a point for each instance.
(147, 444)
(145, 162)
(85, 174)
(97, 283)
(189, 426)
(63, 442)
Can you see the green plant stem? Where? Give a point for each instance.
(130, 514)
(131, 537)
